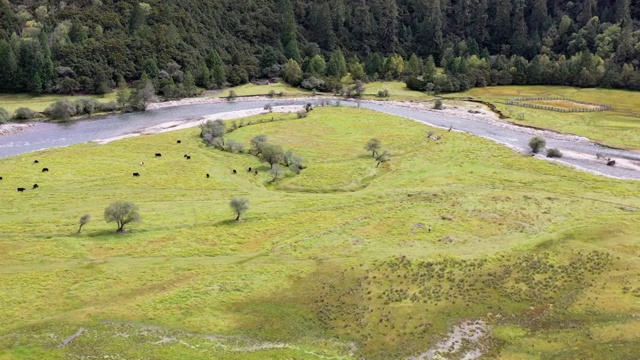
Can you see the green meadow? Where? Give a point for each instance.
(618, 127)
(334, 263)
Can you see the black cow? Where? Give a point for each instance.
(256, 172)
(36, 161)
(249, 170)
(234, 171)
(179, 142)
(611, 163)
(158, 155)
(35, 186)
(188, 157)
(185, 156)
(0, 177)
(21, 189)
(45, 169)
(136, 174)
(207, 176)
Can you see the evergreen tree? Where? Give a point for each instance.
(337, 65)
(387, 25)
(9, 66)
(430, 70)
(519, 39)
(218, 72)
(317, 66)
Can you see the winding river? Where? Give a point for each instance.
(47, 135)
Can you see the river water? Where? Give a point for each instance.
(47, 135)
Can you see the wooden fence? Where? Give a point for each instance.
(593, 107)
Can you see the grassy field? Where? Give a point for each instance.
(397, 89)
(331, 263)
(619, 127)
(251, 89)
(12, 102)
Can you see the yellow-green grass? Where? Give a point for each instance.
(12, 102)
(293, 272)
(619, 127)
(252, 89)
(397, 91)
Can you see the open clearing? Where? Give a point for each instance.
(562, 104)
(332, 263)
(618, 127)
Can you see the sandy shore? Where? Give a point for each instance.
(10, 128)
(179, 125)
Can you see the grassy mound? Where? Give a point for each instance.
(336, 261)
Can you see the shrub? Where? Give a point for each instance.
(232, 95)
(554, 153)
(4, 116)
(24, 113)
(384, 93)
(536, 144)
(272, 93)
(438, 105)
(61, 110)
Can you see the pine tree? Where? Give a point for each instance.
(430, 70)
(539, 15)
(9, 66)
(387, 25)
(519, 39)
(218, 72)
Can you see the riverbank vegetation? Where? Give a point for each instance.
(345, 259)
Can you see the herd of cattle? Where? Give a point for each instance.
(135, 174)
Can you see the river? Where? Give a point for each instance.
(47, 135)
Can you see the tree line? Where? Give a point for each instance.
(93, 46)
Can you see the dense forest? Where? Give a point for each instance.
(93, 46)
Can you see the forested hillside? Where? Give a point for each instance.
(92, 45)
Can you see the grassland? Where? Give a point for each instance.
(619, 127)
(397, 90)
(252, 89)
(12, 102)
(328, 263)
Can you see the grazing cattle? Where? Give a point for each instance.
(207, 176)
(256, 172)
(136, 174)
(0, 177)
(611, 163)
(35, 186)
(188, 157)
(141, 163)
(45, 170)
(185, 155)
(179, 142)
(249, 170)
(234, 171)
(36, 161)
(430, 228)
(21, 189)
(158, 155)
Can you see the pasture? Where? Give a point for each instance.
(329, 263)
(618, 127)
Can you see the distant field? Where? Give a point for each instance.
(251, 89)
(619, 127)
(337, 262)
(12, 102)
(561, 104)
(397, 89)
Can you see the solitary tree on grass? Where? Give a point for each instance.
(383, 157)
(239, 206)
(277, 172)
(258, 143)
(84, 220)
(122, 213)
(536, 144)
(272, 154)
(373, 145)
